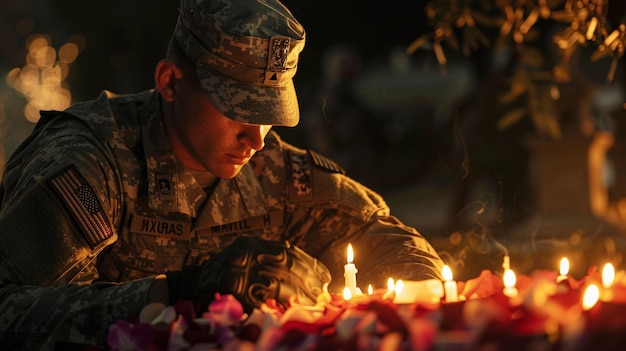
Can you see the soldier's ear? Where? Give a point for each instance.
(166, 76)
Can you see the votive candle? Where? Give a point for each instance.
(349, 272)
(449, 285)
(509, 283)
(563, 270)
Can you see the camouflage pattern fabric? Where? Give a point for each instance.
(245, 59)
(94, 204)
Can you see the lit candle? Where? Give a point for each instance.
(590, 297)
(391, 286)
(449, 285)
(349, 272)
(401, 294)
(391, 290)
(399, 287)
(347, 294)
(370, 289)
(424, 291)
(509, 283)
(563, 269)
(608, 275)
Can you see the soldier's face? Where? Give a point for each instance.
(203, 138)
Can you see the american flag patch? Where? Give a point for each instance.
(83, 204)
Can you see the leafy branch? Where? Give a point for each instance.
(467, 25)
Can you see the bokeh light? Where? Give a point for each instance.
(42, 80)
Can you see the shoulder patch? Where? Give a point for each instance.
(326, 163)
(81, 200)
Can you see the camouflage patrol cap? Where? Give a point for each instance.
(246, 54)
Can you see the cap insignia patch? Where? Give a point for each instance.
(278, 51)
(277, 59)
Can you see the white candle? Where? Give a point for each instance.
(424, 291)
(349, 272)
(347, 294)
(563, 269)
(590, 297)
(449, 285)
(509, 283)
(608, 275)
(391, 289)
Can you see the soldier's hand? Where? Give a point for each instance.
(254, 270)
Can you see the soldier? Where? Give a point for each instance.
(183, 191)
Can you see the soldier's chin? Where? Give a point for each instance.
(227, 171)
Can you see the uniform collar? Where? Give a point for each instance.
(172, 188)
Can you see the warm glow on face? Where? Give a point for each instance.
(591, 296)
(447, 273)
(608, 275)
(399, 286)
(350, 253)
(347, 294)
(509, 278)
(564, 267)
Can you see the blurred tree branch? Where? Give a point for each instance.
(467, 26)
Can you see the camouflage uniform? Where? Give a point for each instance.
(96, 194)
(94, 203)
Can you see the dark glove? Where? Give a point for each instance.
(253, 270)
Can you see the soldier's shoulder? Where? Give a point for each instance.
(316, 180)
(276, 145)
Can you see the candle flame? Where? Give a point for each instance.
(370, 289)
(390, 285)
(347, 294)
(608, 275)
(399, 286)
(350, 253)
(591, 296)
(509, 279)
(564, 266)
(447, 273)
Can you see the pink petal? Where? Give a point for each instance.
(225, 310)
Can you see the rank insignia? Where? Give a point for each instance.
(164, 184)
(326, 163)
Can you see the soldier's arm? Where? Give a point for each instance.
(388, 248)
(60, 208)
(36, 317)
(42, 250)
(336, 210)
(383, 246)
